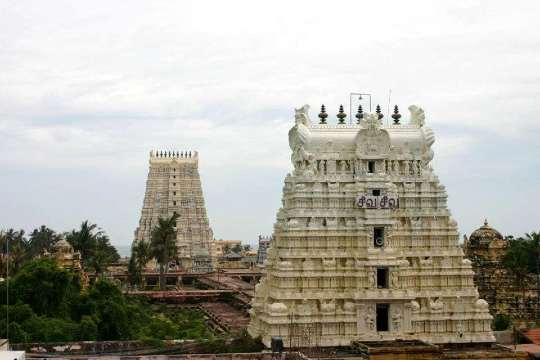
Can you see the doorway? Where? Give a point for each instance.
(382, 317)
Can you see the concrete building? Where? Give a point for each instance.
(174, 186)
(364, 246)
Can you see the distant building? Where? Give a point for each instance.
(486, 247)
(264, 244)
(231, 260)
(222, 247)
(66, 257)
(174, 186)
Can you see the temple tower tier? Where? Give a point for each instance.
(364, 247)
(174, 186)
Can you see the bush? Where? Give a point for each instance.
(45, 329)
(88, 330)
(501, 322)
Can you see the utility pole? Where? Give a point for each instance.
(7, 291)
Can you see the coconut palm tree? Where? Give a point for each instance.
(84, 239)
(94, 246)
(14, 247)
(163, 245)
(41, 240)
(140, 255)
(102, 254)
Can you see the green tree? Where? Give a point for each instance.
(501, 322)
(533, 241)
(111, 311)
(163, 245)
(41, 240)
(14, 245)
(516, 262)
(102, 254)
(134, 275)
(141, 253)
(45, 287)
(94, 246)
(83, 240)
(88, 330)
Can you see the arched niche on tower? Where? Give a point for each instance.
(372, 147)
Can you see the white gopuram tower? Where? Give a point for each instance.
(174, 186)
(364, 246)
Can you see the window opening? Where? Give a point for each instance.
(378, 237)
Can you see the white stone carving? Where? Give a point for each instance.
(329, 241)
(418, 116)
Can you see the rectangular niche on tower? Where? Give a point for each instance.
(371, 167)
(378, 236)
(382, 278)
(382, 317)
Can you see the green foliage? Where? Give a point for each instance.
(46, 329)
(501, 322)
(141, 253)
(516, 259)
(47, 289)
(163, 244)
(42, 240)
(94, 246)
(533, 243)
(88, 330)
(16, 333)
(16, 244)
(243, 343)
(47, 305)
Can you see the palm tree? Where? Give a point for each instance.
(103, 254)
(15, 249)
(41, 240)
(83, 240)
(140, 255)
(163, 245)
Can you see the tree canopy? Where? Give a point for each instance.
(94, 246)
(41, 312)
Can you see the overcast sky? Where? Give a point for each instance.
(87, 88)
